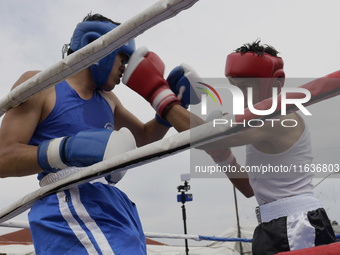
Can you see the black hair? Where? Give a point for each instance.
(99, 17)
(255, 47)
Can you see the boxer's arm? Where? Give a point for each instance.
(16, 157)
(144, 133)
(182, 120)
(241, 182)
(25, 76)
(17, 127)
(83, 149)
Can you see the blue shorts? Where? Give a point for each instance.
(89, 219)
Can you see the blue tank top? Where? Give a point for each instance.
(72, 114)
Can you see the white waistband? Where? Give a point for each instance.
(54, 177)
(286, 206)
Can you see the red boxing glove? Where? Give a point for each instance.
(144, 75)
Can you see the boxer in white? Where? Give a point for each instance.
(290, 217)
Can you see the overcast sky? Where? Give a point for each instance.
(305, 32)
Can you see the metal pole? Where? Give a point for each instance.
(238, 221)
(185, 224)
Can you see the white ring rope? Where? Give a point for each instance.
(171, 236)
(15, 224)
(98, 49)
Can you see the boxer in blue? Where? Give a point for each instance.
(74, 124)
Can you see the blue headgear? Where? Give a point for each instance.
(88, 31)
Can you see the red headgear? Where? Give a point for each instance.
(251, 65)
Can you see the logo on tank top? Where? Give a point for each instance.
(109, 126)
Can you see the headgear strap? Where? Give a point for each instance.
(250, 65)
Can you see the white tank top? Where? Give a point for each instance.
(272, 186)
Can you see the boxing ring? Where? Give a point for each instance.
(320, 89)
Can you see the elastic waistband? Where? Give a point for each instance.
(286, 206)
(54, 177)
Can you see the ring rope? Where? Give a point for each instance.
(93, 52)
(197, 237)
(25, 224)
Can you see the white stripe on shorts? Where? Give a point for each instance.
(74, 225)
(300, 233)
(90, 223)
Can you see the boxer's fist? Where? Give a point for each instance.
(83, 149)
(183, 81)
(144, 75)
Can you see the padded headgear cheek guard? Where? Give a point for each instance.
(88, 31)
(249, 65)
